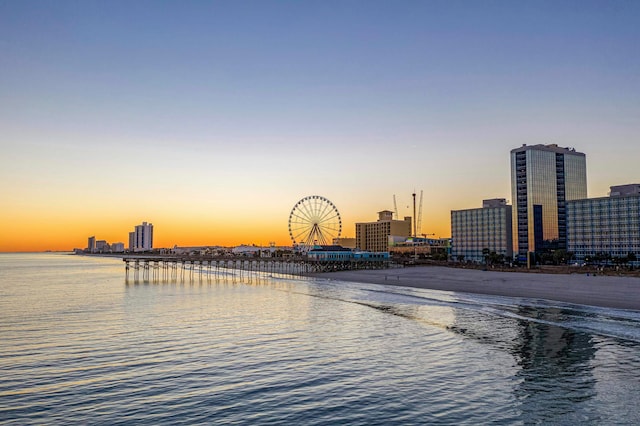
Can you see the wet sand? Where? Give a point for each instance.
(604, 291)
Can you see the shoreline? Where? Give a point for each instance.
(620, 292)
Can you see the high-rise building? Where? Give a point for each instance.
(374, 236)
(543, 179)
(91, 244)
(477, 232)
(141, 239)
(606, 226)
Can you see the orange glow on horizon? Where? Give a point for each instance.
(68, 233)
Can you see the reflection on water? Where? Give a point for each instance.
(82, 346)
(556, 368)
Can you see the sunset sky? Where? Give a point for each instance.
(212, 119)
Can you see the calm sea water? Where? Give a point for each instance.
(80, 345)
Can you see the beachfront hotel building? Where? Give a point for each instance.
(477, 232)
(374, 236)
(543, 179)
(606, 225)
(141, 239)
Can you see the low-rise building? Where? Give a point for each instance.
(606, 226)
(255, 251)
(477, 232)
(329, 253)
(201, 250)
(102, 246)
(342, 254)
(420, 246)
(117, 247)
(345, 242)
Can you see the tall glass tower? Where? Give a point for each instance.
(543, 178)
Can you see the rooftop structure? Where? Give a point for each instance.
(624, 190)
(494, 202)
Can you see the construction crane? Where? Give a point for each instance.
(419, 219)
(415, 222)
(395, 207)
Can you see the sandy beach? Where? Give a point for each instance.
(604, 291)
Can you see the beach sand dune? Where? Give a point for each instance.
(604, 291)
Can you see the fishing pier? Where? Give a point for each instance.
(172, 267)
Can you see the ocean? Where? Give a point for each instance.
(81, 344)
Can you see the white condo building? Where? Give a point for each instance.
(141, 239)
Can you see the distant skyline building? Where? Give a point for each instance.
(91, 244)
(606, 225)
(474, 231)
(117, 247)
(374, 236)
(141, 239)
(102, 246)
(543, 179)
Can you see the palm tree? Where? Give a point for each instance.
(560, 257)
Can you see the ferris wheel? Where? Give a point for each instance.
(314, 220)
